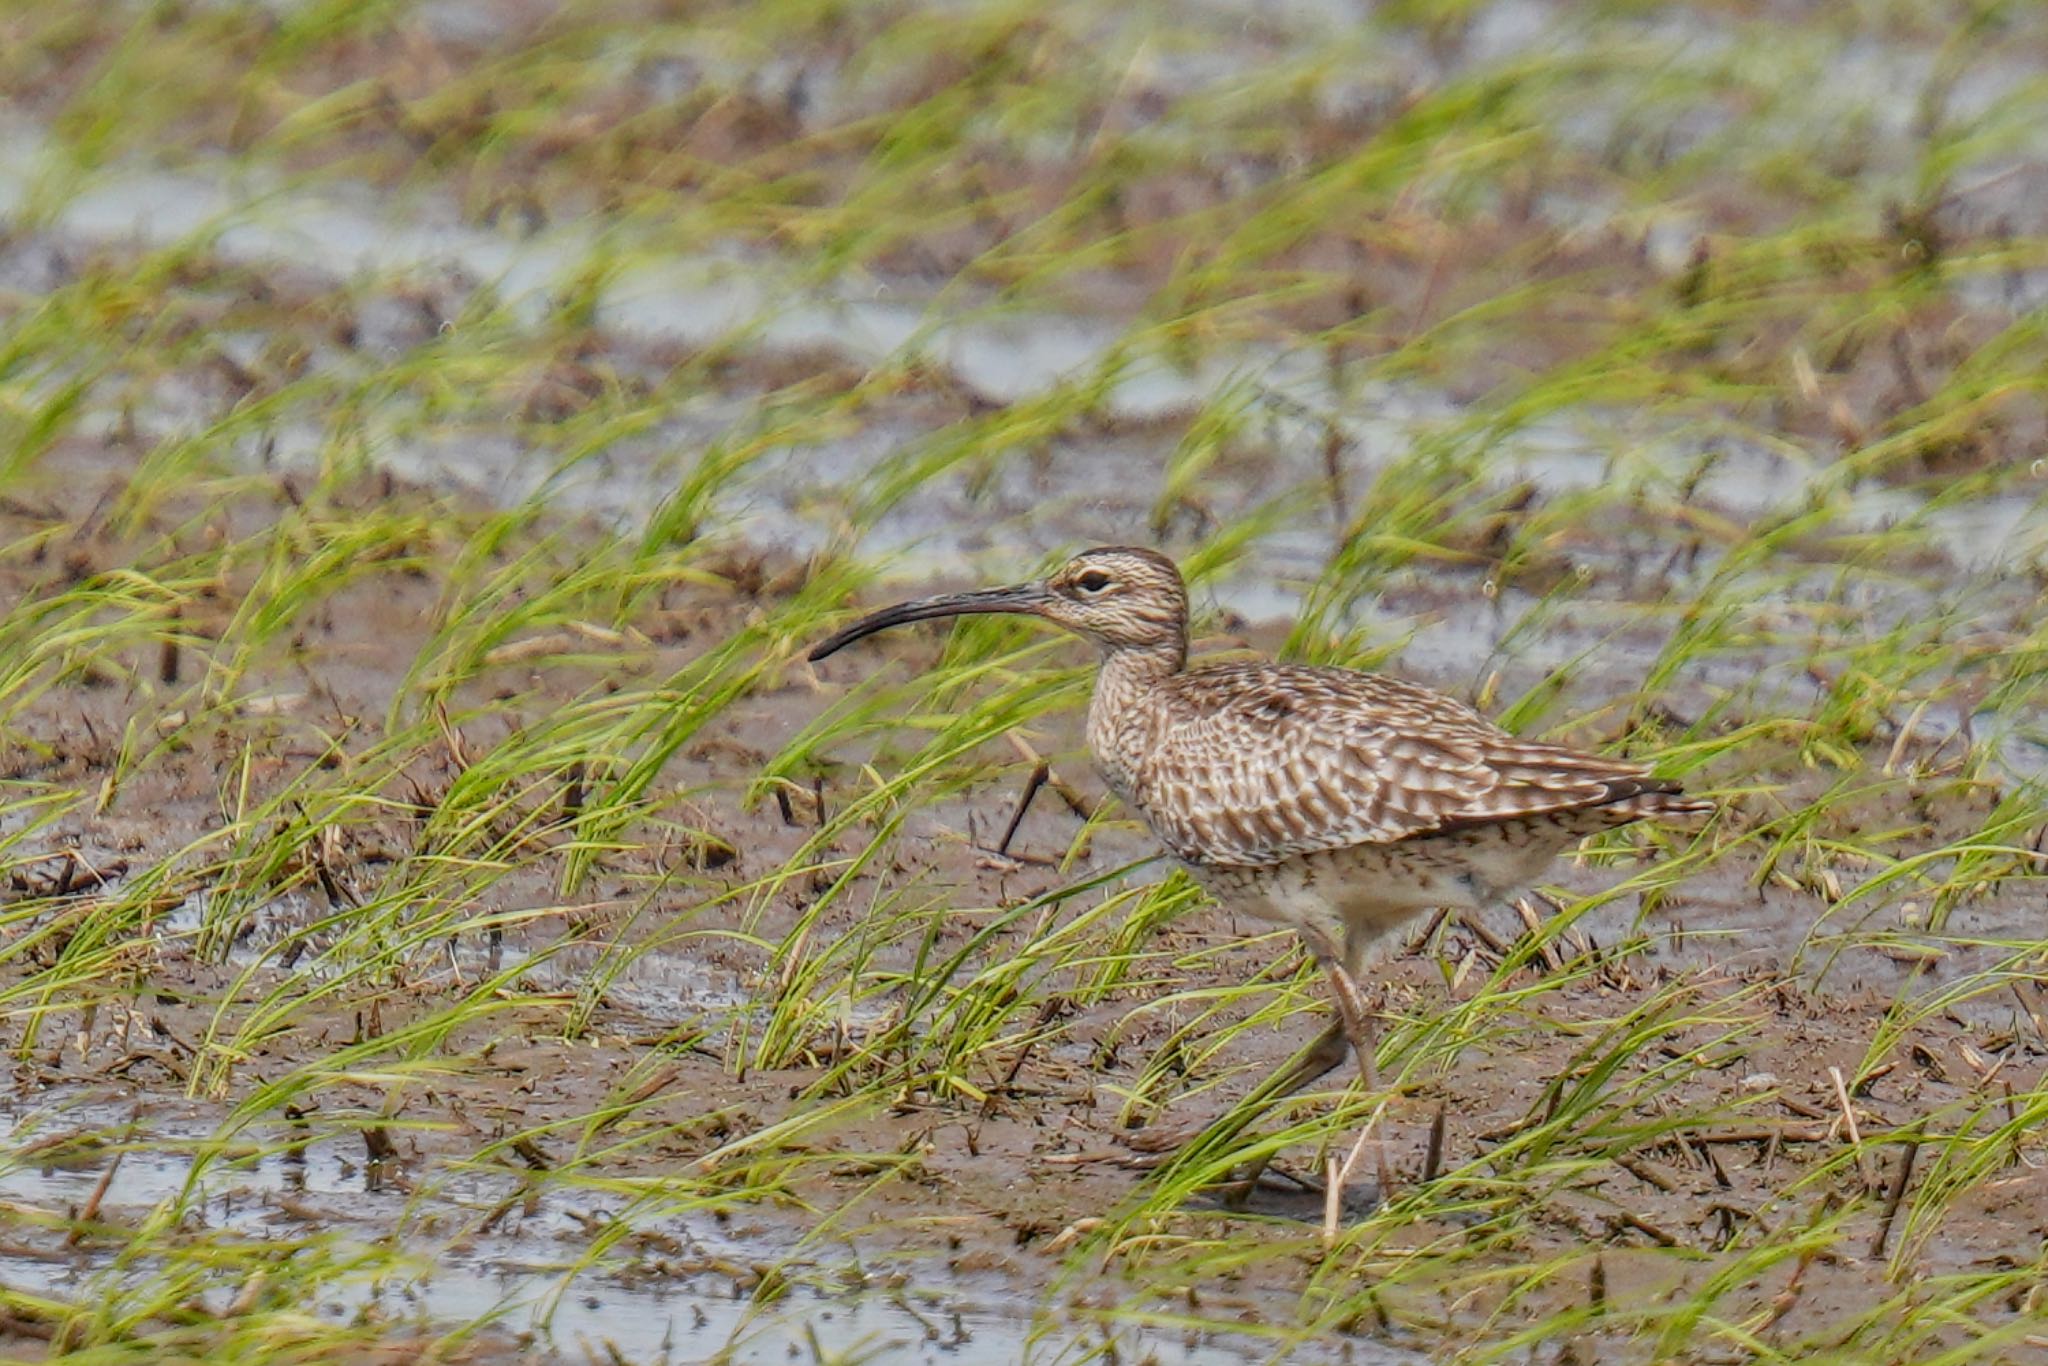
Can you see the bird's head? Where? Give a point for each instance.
(1120, 597)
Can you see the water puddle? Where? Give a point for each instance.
(1079, 488)
(701, 1297)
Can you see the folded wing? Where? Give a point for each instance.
(1251, 765)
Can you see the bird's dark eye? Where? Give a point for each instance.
(1094, 581)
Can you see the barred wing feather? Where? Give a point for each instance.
(1250, 765)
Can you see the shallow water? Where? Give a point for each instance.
(1079, 489)
(522, 1277)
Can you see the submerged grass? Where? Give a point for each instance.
(408, 769)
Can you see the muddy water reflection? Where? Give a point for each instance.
(1078, 488)
(696, 1303)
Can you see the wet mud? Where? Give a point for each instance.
(930, 1225)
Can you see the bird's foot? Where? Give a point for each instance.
(1280, 1192)
(1163, 1140)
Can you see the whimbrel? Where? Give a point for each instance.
(1336, 802)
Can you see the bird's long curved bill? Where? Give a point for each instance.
(1027, 598)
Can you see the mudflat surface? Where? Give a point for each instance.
(709, 1097)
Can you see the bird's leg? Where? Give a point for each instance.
(1323, 1056)
(1330, 1049)
(1352, 1032)
(1357, 1022)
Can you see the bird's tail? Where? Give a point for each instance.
(1658, 799)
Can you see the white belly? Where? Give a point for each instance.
(1341, 900)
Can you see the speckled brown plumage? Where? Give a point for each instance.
(1337, 802)
(1254, 764)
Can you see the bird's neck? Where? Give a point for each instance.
(1127, 675)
